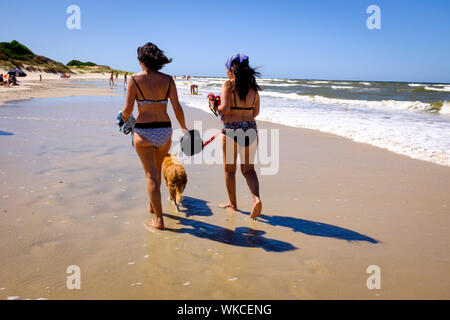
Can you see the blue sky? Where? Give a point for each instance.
(290, 39)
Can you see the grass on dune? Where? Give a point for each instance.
(16, 55)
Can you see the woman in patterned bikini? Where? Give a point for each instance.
(239, 107)
(153, 129)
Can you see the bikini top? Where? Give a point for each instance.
(240, 108)
(141, 102)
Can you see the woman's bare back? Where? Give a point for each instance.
(249, 102)
(154, 86)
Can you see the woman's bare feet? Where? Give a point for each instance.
(157, 223)
(228, 205)
(256, 209)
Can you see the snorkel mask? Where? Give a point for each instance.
(237, 57)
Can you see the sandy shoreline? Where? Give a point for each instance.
(73, 192)
(53, 86)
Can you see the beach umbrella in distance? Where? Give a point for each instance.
(17, 73)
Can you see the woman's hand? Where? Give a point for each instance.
(125, 116)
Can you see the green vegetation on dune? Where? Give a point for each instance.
(96, 69)
(77, 63)
(102, 69)
(16, 55)
(14, 50)
(83, 67)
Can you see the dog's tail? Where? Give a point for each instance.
(175, 196)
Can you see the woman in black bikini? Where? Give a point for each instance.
(239, 107)
(153, 129)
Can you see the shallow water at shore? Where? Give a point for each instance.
(405, 118)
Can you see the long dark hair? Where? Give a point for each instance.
(245, 77)
(152, 57)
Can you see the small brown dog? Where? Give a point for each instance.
(175, 178)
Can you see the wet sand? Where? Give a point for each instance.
(72, 192)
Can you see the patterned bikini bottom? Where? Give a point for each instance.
(157, 133)
(243, 132)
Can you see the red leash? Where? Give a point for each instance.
(207, 142)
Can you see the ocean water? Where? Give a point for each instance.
(411, 119)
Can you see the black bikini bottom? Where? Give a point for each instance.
(149, 125)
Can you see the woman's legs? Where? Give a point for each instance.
(159, 158)
(247, 155)
(150, 158)
(248, 171)
(229, 159)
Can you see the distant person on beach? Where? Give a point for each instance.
(194, 89)
(239, 107)
(40, 77)
(151, 90)
(3, 80)
(125, 78)
(117, 75)
(111, 79)
(12, 80)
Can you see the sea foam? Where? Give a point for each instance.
(417, 128)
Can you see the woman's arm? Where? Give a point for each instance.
(256, 108)
(173, 96)
(225, 103)
(129, 102)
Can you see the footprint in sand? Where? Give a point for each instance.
(136, 284)
(299, 291)
(318, 268)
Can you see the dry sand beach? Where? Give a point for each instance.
(72, 192)
(52, 86)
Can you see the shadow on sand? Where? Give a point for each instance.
(247, 237)
(314, 228)
(240, 237)
(196, 207)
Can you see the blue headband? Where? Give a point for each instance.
(239, 56)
